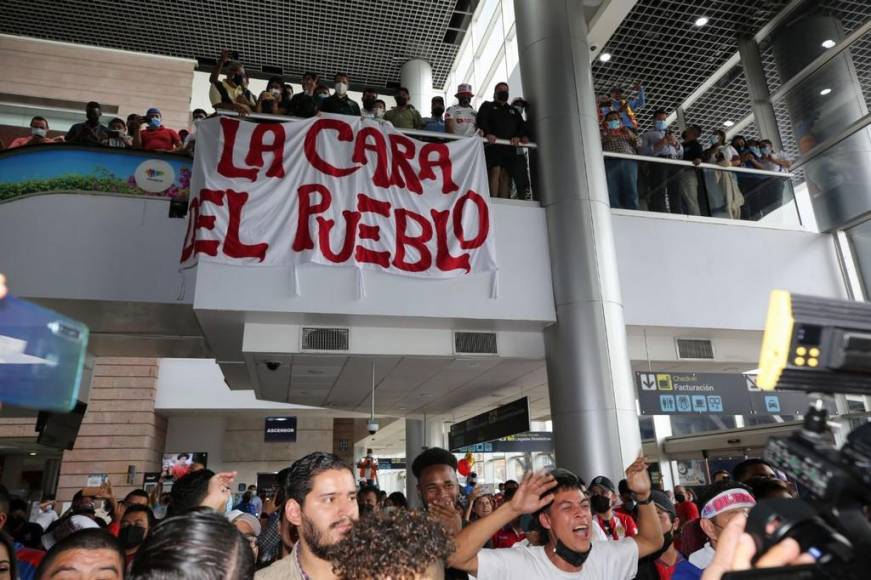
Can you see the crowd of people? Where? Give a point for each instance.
(632, 184)
(507, 165)
(325, 523)
(673, 188)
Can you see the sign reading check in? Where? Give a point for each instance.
(713, 394)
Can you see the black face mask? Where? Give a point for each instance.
(238, 79)
(680, 497)
(438, 111)
(600, 503)
(502, 96)
(629, 506)
(573, 557)
(667, 538)
(401, 101)
(131, 536)
(368, 104)
(464, 101)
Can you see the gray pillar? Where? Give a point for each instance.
(760, 98)
(839, 181)
(416, 76)
(592, 397)
(681, 119)
(414, 436)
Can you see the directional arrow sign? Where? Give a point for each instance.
(648, 382)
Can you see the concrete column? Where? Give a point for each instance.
(435, 433)
(592, 396)
(414, 444)
(763, 111)
(416, 76)
(662, 431)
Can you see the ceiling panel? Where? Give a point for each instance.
(368, 40)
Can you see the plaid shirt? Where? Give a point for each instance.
(621, 141)
(269, 541)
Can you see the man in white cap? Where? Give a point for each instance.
(460, 118)
(248, 525)
(721, 503)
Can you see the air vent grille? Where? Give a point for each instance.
(325, 339)
(475, 342)
(695, 349)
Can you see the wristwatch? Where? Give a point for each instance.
(645, 501)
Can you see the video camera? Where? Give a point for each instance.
(819, 346)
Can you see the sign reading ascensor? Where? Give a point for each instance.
(338, 191)
(280, 429)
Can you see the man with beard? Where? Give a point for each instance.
(321, 501)
(563, 511)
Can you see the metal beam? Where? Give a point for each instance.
(605, 22)
(733, 60)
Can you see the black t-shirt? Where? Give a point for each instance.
(303, 105)
(85, 134)
(340, 106)
(693, 150)
(502, 120)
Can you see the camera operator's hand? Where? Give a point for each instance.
(735, 551)
(3, 289)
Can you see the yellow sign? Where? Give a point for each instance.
(663, 382)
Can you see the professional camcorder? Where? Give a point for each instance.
(821, 346)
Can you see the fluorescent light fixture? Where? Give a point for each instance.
(825, 92)
(828, 43)
(605, 56)
(728, 124)
(701, 21)
(33, 453)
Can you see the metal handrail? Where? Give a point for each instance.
(666, 160)
(410, 132)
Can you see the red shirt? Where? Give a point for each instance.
(507, 537)
(664, 570)
(621, 526)
(687, 511)
(160, 139)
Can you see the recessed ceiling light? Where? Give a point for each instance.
(33, 452)
(828, 43)
(825, 92)
(728, 124)
(605, 56)
(701, 21)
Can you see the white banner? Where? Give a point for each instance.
(338, 191)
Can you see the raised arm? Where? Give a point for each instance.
(649, 538)
(531, 496)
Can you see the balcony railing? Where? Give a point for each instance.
(679, 187)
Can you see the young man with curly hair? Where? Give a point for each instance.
(399, 545)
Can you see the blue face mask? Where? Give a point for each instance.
(154, 122)
(661, 125)
(766, 150)
(614, 124)
(229, 507)
(755, 151)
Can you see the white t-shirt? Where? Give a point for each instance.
(464, 119)
(772, 166)
(608, 561)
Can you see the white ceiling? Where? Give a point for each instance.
(404, 385)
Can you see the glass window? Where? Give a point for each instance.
(689, 424)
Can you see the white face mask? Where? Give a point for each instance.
(38, 131)
(379, 112)
(276, 92)
(341, 88)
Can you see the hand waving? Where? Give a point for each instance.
(638, 478)
(532, 495)
(219, 491)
